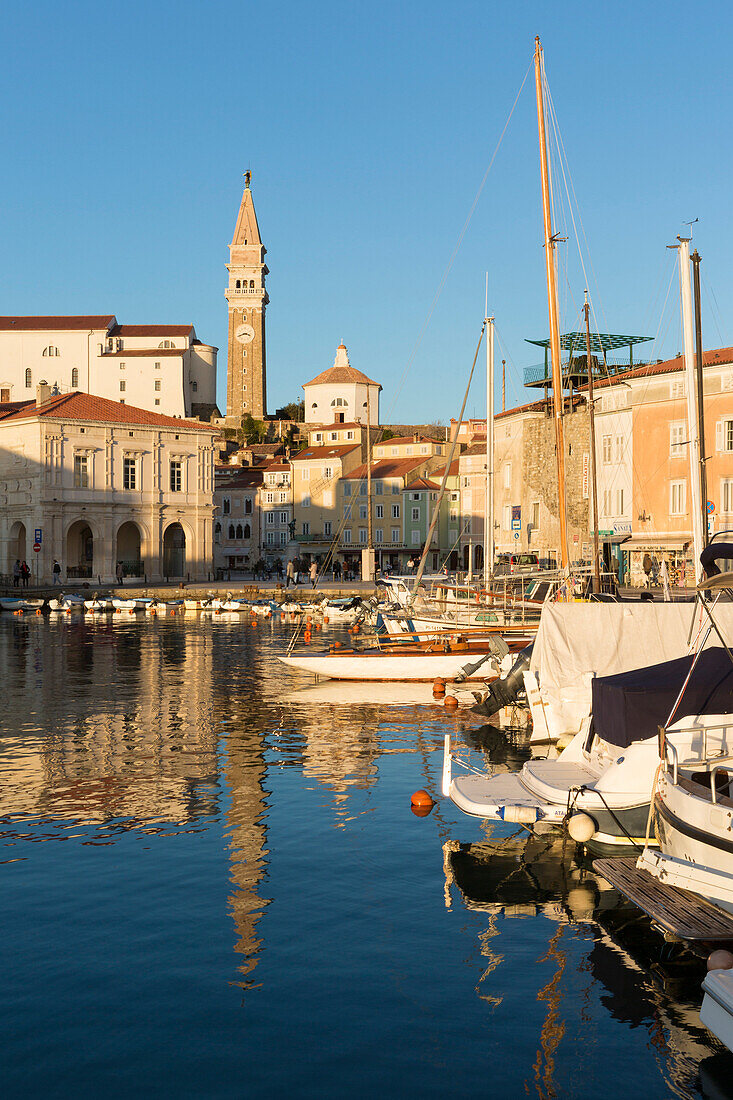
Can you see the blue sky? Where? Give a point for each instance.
(368, 129)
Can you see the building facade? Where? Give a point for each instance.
(237, 520)
(247, 300)
(163, 368)
(103, 483)
(341, 394)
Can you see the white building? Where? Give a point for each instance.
(104, 482)
(164, 368)
(340, 394)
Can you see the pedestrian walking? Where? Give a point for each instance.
(647, 565)
(16, 573)
(289, 574)
(313, 574)
(119, 573)
(56, 572)
(337, 570)
(25, 573)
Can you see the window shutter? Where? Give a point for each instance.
(719, 436)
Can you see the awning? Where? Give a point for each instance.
(657, 542)
(615, 540)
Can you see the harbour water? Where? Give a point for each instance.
(213, 885)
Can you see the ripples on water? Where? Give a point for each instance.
(212, 885)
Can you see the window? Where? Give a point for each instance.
(226, 506)
(677, 498)
(157, 366)
(362, 489)
(327, 528)
(378, 487)
(347, 489)
(726, 495)
(415, 538)
(176, 475)
(306, 502)
(194, 386)
(28, 378)
(247, 531)
(380, 511)
(166, 344)
(306, 527)
(346, 535)
(283, 538)
(395, 534)
(395, 488)
(305, 475)
(157, 400)
(535, 513)
(129, 470)
(334, 436)
(724, 435)
(122, 366)
(81, 472)
(619, 448)
(319, 437)
(677, 388)
(395, 450)
(677, 439)
(270, 498)
(156, 385)
(283, 517)
(415, 496)
(123, 385)
(363, 535)
(506, 517)
(362, 511)
(328, 471)
(349, 435)
(283, 497)
(51, 350)
(231, 530)
(508, 475)
(395, 511)
(248, 506)
(339, 402)
(74, 377)
(270, 538)
(415, 514)
(424, 450)
(269, 517)
(379, 535)
(122, 401)
(619, 502)
(607, 442)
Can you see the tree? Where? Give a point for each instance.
(294, 410)
(254, 431)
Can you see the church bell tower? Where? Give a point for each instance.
(247, 299)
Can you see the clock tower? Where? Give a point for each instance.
(247, 299)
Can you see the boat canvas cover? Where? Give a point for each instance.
(577, 642)
(632, 705)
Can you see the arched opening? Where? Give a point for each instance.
(174, 551)
(16, 545)
(453, 561)
(28, 378)
(465, 559)
(231, 531)
(478, 557)
(128, 550)
(74, 378)
(79, 550)
(239, 531)
(247, 531)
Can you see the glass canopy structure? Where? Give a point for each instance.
(575, 368)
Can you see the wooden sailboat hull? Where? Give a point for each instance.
(380, 666)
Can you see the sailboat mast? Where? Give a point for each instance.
(695, 257)
(692, 425)
(557, 396)
(489, 504)
(592, 422)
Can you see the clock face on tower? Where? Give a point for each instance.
(245, 334)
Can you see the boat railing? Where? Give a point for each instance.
(703, 758)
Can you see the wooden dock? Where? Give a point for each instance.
(679, 912)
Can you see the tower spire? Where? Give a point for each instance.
(247, 299)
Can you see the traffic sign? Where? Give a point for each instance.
(37, 547)
(710, 507)
(38, 534)
(516, 534)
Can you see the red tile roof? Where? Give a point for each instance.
(388, 467)
(453, 472)
(422, 483)
(245, 478)
(337, 450)
(84, 406)
(408, 439)
(339, 375)
(151, 330)
(709, 359)
(68, 324)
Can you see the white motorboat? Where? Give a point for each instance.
(9, 604)
(65, 604)
(601, 784)
(121, 604)
(448, 659)
(99, 604)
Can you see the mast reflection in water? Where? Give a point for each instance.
(212, 883)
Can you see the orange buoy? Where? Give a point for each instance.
(451, 703)
(337, 645)
(421, 799)
(439, 686)
(421, 811)
(309, 618)
(325, 618)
